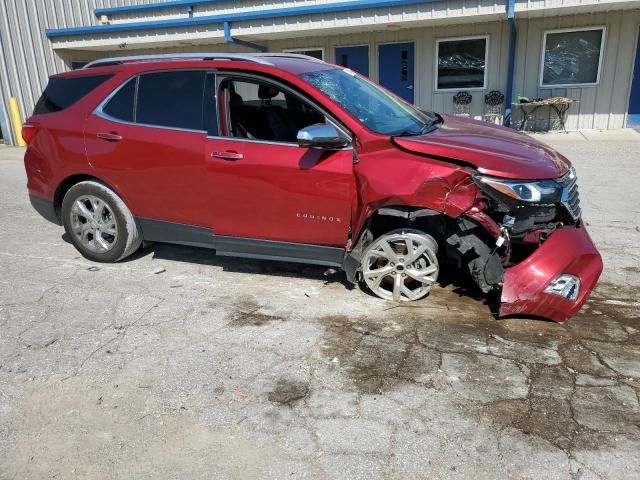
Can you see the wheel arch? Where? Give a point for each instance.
(392, 217)
(65, 185)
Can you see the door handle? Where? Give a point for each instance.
(109, 137)
(228, 155)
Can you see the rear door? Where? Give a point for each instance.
(147, 140)
(396, 69)
(262, 184)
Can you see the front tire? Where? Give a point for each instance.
(98, 222)
(401, 265)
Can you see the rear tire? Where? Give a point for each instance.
(98, 222)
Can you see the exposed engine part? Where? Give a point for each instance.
(470, 245)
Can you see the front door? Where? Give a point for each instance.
(262, 184)
(395, 69)
(633, 118)
(355, 58)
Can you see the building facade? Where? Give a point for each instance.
(426, 51)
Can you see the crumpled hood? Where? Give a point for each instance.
(492, 149)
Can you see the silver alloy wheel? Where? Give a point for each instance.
(401, 265)
(94, 224)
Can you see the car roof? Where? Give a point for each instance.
(290, 62)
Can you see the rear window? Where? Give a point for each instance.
(171, 99)
(62, 92)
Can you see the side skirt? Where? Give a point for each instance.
(193, 236)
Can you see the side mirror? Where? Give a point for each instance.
(322, 136)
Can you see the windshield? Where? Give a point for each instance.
(376, 108)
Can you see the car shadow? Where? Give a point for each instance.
(461, 285)
(204, 256)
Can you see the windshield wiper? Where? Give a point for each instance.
(429, 127)
(426, 128)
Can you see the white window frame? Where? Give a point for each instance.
(305, 49)
(486, 63)
(603, 28)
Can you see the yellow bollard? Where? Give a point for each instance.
(17, 121)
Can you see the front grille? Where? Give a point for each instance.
(570, 196)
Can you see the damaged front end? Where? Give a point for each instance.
(540, 257)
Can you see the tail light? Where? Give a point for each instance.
(28, 131)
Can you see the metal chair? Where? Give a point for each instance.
(493, 107)
(462, 104)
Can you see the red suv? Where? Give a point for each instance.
(285, 157)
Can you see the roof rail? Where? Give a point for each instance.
(288, 55)
(185, 56)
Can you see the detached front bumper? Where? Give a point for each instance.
(568, 251)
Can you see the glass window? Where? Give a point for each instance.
(262, 111)
(121, 104)
(461, 63)
(572, 57)
(378, 109)
(171, 99)
(312, 52)
(62, 92)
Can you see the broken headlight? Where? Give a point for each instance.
(537, 191)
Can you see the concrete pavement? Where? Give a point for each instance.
(226, 368)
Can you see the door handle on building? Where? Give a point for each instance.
(228, 155)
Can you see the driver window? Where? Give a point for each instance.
(261, 111)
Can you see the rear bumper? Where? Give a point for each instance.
(569, 250)
(45, 208)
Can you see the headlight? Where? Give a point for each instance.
(539, 191)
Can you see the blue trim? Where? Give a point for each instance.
(235, 17)
(153, 6)
(633, 120)
(229, 39)
(633, 112)
(511, 17)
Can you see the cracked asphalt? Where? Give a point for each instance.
(177, 364)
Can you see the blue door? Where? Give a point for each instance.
(633, 119)
(395, 67)
(355, 58)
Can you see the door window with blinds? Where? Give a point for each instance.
(461, 63)
(572, 57)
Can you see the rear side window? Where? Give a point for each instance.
(121, 105)
(62, 92)
(171, 99)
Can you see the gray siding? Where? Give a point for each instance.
(28, 58)
(26, 55)
(600, 107)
